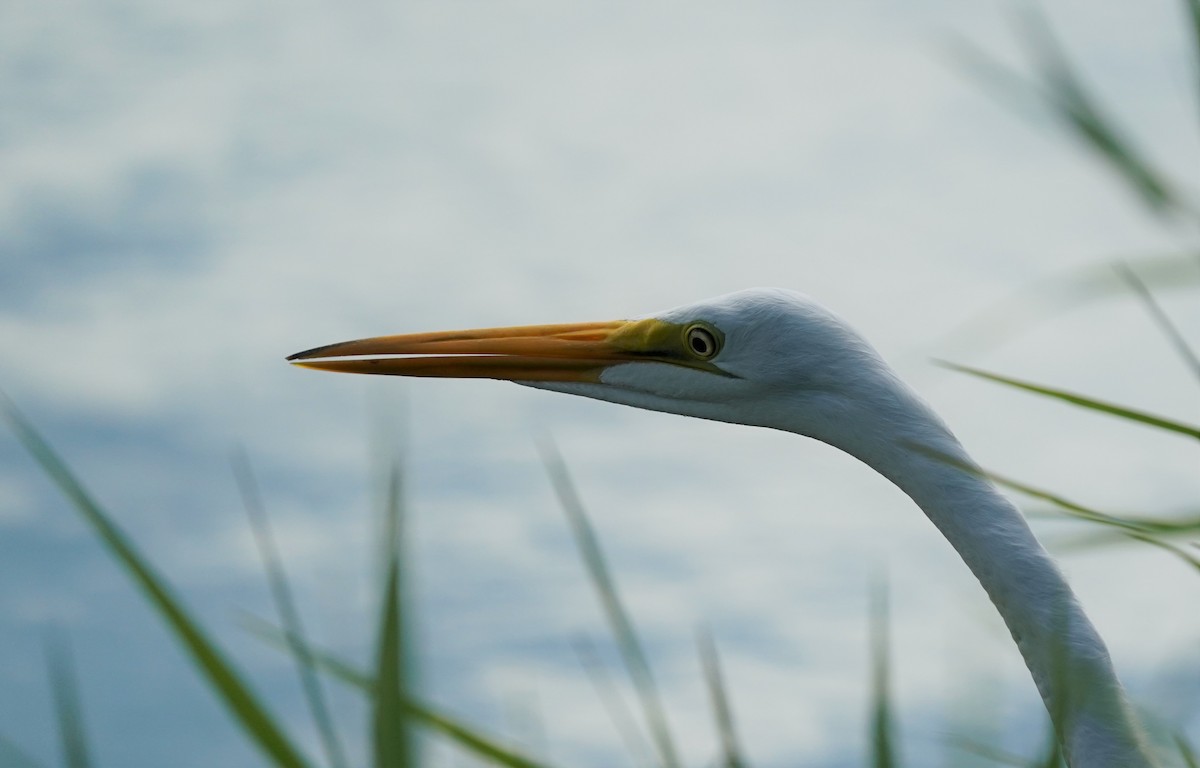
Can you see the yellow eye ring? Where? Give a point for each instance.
(701, 341)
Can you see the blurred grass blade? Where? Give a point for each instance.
(1182, 348)
(339, 669)
(1185, 748)
(281, 594)
(1069, 101)
(1061, 680)
(1124, 526)
(1146, 530)
(986, 751)
(613, 703)
(219, 673)
(883, 742)
(1193, 10)
(1179, 552)
(65, 687)
(1117, 536)
(525, 723)
(1118, 526)
(1058, 293)
(1082, 401)
(391, 735)
(12, 756)
(1071, 508)
(1003, 83)
(388, 725)
(731, 754)
(622, 628)
(1052, 754)
(470, 739)
(465, 736)
(387, 416)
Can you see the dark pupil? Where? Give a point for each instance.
(700, 343)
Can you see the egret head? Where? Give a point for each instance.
(767, 357)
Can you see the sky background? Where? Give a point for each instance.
(189, 192)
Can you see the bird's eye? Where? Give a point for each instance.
(701, 342)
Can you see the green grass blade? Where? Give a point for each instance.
(1052, 755)
(883, 740)
(339, 669)
(1071, 508)
(12, 756)
(1061, 680)
(1069, 289)
(391, 736)
(470, 739)
(1193, 9)
(220, 674)
(1146, 530)
(614, 704)
(464, 736)
(1187, 752)
(986, 751)
(622, 627)
(731, 753)
(1168, 328)
(1177, 551)
(281, 594)
(67, 705)
(1121, 525)
(1112, 409)
(998, 80)
(1070, 101)
(388, 728)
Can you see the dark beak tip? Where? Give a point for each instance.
(309, 353)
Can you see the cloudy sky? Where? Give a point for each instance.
(191, 191)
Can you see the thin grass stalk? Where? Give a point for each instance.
(622, 627)
(1187, 752)
(1146, 531)
(1193, 12)
(347, 673)
(388, 729)
(1120, 526)
(1052, 754)
(1167, 546)
(1000, 321)
(526, 724)
(391, 736)
(289, 616)
(388, 420)
(12, 756)
(1112, 409)
(1070, 101)
(731, 753)
(1160, 317)
(986, 751)
(339, 669)
(209, 659)
(67, 705)
(883, 740)
(613, 702)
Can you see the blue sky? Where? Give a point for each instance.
(191, 192)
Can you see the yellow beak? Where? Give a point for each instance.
(567, 352)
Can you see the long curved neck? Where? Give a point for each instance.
(1066, 656)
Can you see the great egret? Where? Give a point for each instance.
(775, 358)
